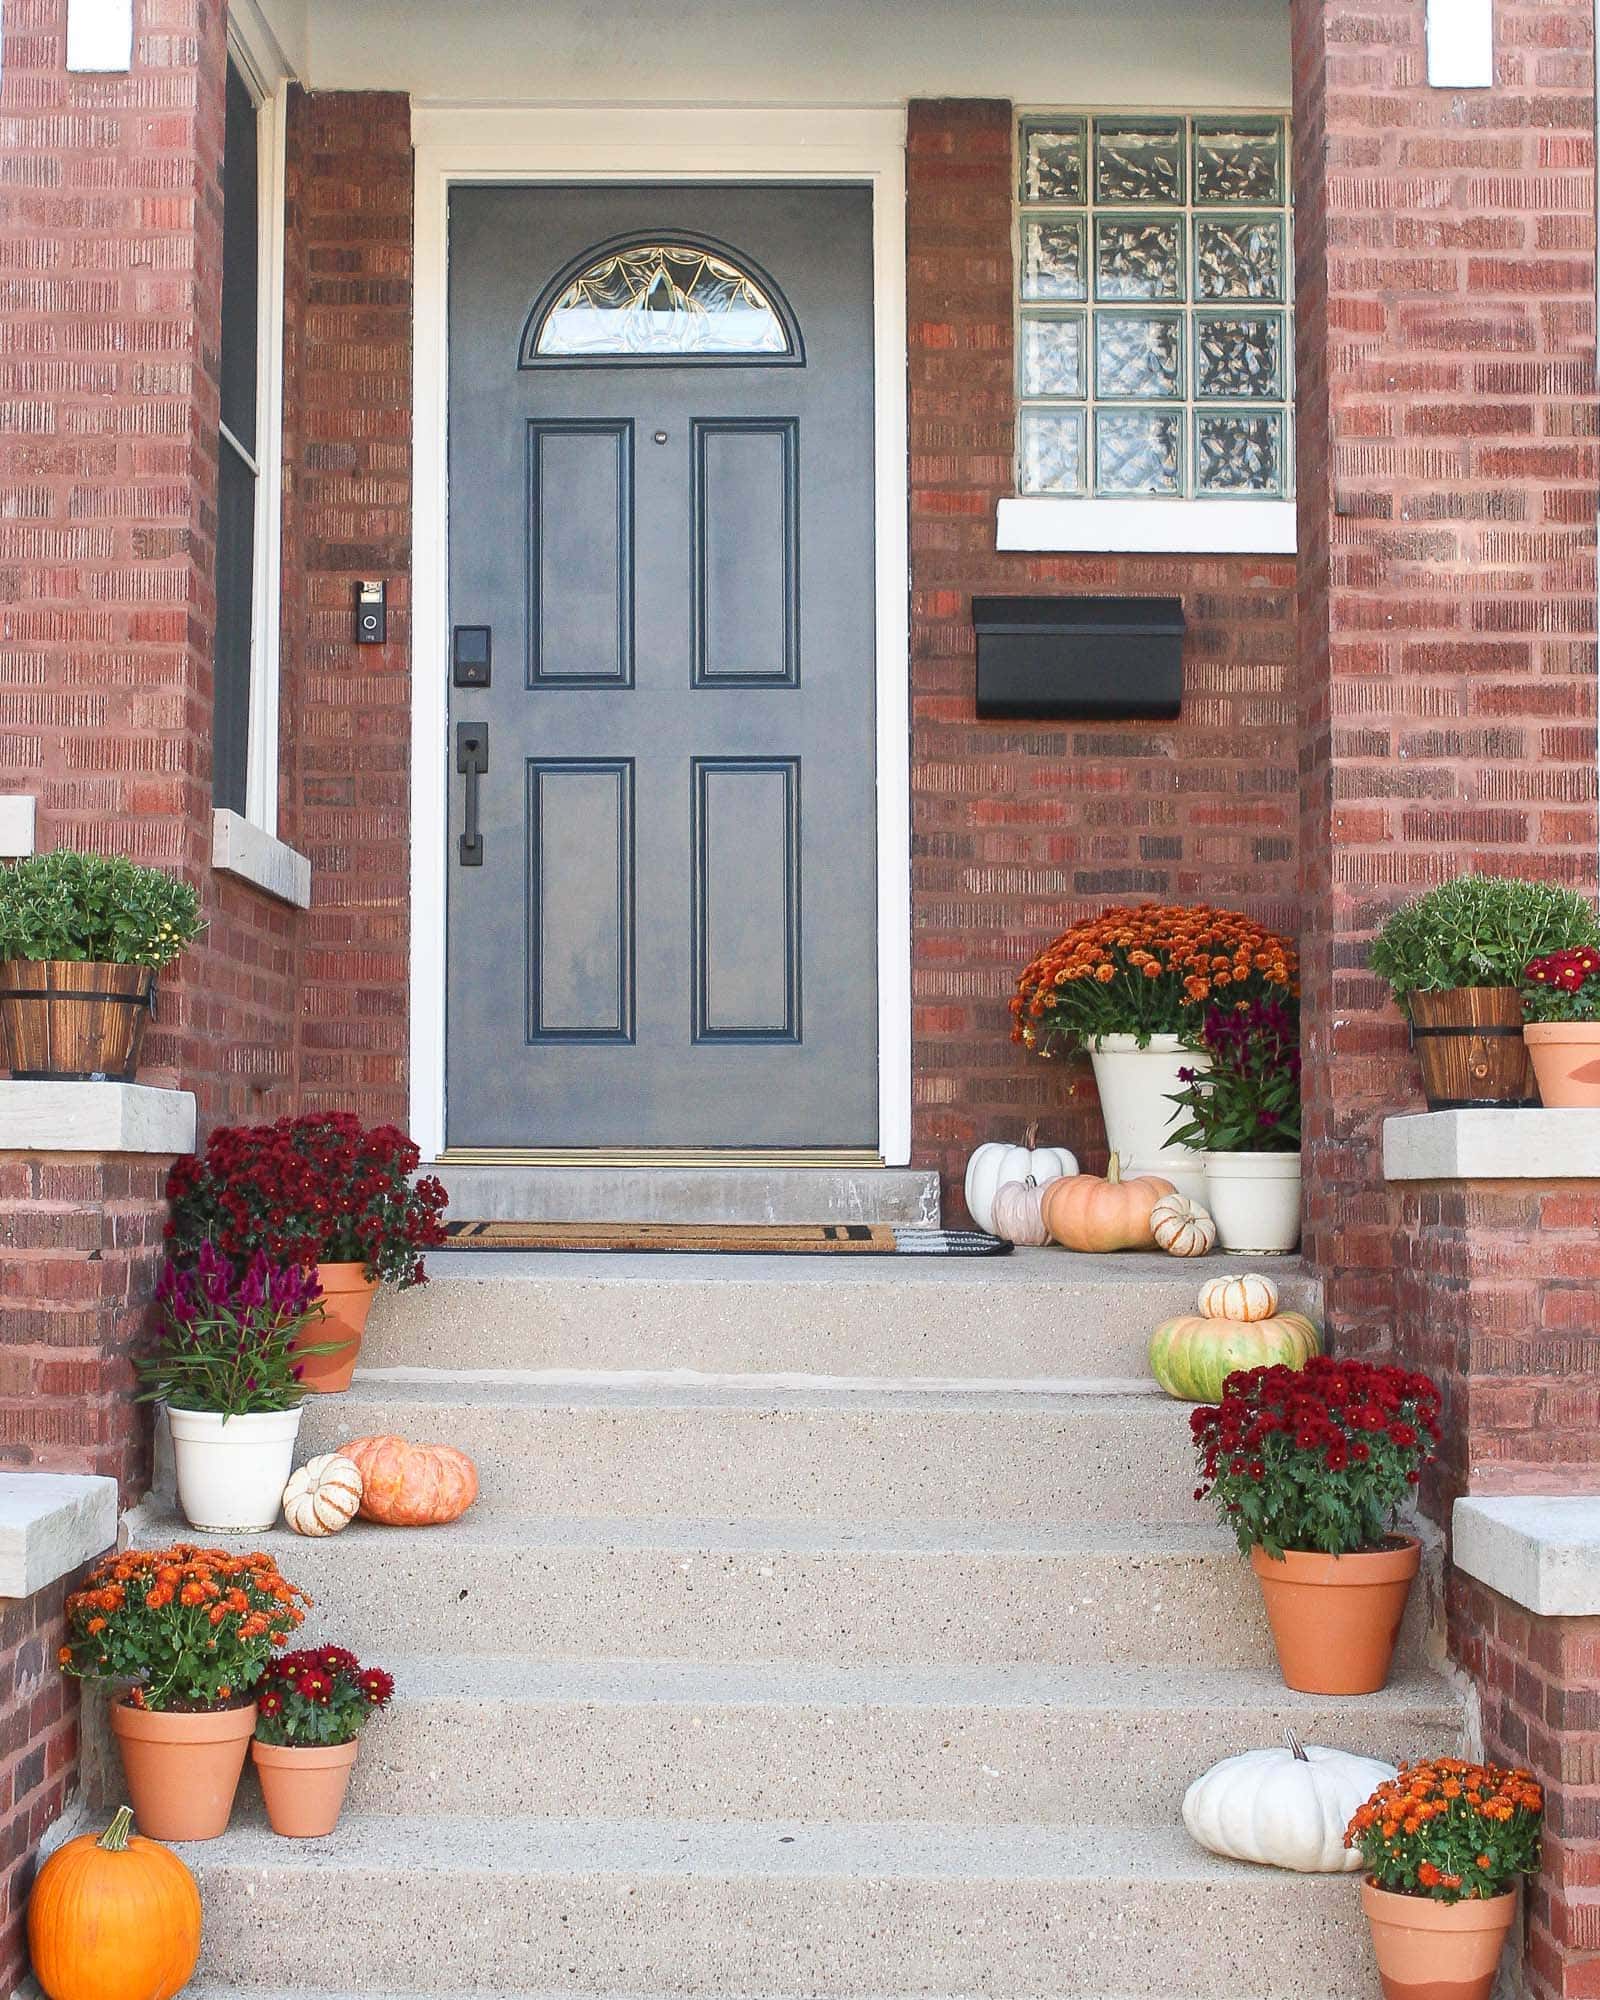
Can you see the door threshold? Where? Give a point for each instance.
(660, 1156)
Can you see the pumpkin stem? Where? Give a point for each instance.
(1300, 1756)
(115, 1838)
(1030, 1135)
(1113, 1170)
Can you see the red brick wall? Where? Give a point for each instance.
(1445, 350)
(1020, 828)
(38, 1754)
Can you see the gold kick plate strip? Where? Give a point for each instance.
(657, 1156)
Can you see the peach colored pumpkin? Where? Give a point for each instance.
(1084, 1212)
(407, 1485)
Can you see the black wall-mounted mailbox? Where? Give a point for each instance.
(1079, 659)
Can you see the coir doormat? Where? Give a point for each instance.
(765, 1239)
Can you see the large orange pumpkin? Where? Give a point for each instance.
(114, 1917)
(408, 1485)
(1084, 1212)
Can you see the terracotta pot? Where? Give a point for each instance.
(347, 1295)
(74, 1022)
(1469, 1043)
(1566, 1062)
(182, 1769)
(1437, 1951)
(304, 1785)
(1335, 1619)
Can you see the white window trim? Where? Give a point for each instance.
(1035, 522)
(657, 143)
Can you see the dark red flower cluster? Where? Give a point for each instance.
(1563, 986)
(317, 1189)
(319, 1695)
(1318, 1457)
(1564, 969)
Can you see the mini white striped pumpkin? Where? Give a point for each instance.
(1246, 1295)
(323, 1495)
(1182, 1227)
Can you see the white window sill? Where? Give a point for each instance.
(51, 1523)
(241, 849)
(16, 826)
(1492, 1144)
(1147, 527)
(94, 1118)
(1542, 1553)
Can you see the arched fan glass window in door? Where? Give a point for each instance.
(670, 299)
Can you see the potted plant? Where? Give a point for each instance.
(310, 1712)
(187, 1633)
(1561, 1011)
(1454, 958)
(320, 1190)
(1244, 1116)
(1442, 1845)
(1131, 987)
(225, 1368)
(82, 937)
(1309, 1468)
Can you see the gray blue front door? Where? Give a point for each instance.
(662, 909)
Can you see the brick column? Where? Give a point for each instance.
(1445, 352)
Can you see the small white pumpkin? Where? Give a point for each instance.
(993, 1165)
(1018, 1217)
(323, 1495)
(1286, 1808)
(1182, 1227)
(1244, 1295)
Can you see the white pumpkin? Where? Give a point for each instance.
(1018, 1217)
(1247, 1295)
(992, 1166)
(1182, 1227)
(323, 1495)
(1287, 1808)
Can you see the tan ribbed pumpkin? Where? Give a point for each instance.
(408, 1485)
(1239, 1295)
(322, 1495)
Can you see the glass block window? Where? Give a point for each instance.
(1154, 290)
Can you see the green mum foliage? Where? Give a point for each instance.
(1479, 930)
(100, 908)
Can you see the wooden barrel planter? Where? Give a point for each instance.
(1469, 1043)
(65, 1021)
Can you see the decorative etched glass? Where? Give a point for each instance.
(1238, 160)
(1239, 451)
(1050, 450)
(1240, 257)
(1138, 162)
(1139, 451)
(662, 299)
(1055, 263)
(1238, 355)
(1053, 160)
(1138, 257)
(1138, 355)
(1052, 354)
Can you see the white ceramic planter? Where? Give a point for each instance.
(232, 1470)
(1254, 1199)
(1136, 1088)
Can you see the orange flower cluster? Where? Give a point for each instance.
(1450, 1829)
(1148, 970)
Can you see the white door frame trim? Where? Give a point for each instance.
(591, 143)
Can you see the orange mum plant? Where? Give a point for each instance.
(1148, 971)
(187, 1628)
(1449, 1830)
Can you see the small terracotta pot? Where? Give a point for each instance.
(347, 1295)
(1335, 1619)
(1566, 1062)
(1437, 1951)
(304, 1785)
(182, 1769)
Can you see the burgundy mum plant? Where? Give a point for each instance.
(318, 1189)
(224, 1334)
(322, 1695)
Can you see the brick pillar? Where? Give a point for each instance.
(1445, 352)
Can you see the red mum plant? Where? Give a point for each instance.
(1317, 1458)
(318, 1189)
(321, 1695)
(1563, 986)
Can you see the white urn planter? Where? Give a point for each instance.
(232, 1470)
(1137, 1086)
(1254, 1199)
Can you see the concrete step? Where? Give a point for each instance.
(686, 1907)
(622, 1740)
(840, 1593)
(1036, 1316)
(771, 1448)
(749, 1192)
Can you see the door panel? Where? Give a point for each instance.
(671, 938)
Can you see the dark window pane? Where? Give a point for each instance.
(236, 536)
(240, 250)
